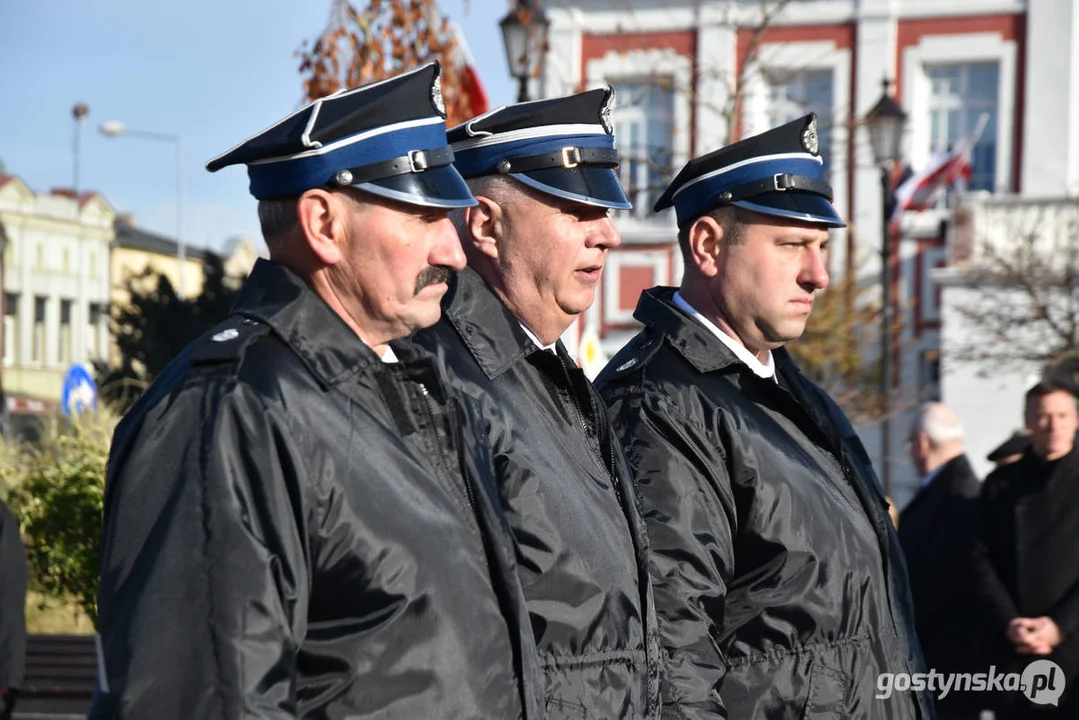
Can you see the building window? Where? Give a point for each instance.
(794, 93)
(66, 260)
(959, 94)
(39, 258)
(95, 317)
(11, 328)
(93, 264)
(643, 120)
(37, 348)
(929, 374)
(64, 349)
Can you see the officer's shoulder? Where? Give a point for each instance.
(228, 342)
(632, 359)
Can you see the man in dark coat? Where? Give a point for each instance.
(1028, 532)
(12, 611)
(778, 578)
(536, 244)
(300, 519)
(936, 531)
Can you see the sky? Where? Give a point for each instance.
(212, 72)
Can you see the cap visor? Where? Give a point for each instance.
(1011, 446)
(439, 187)
(807, 207)
(587, 184)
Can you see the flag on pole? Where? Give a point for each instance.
(471, 85)
(919, 192)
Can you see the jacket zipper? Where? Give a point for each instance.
(597, 455)
(440, 461)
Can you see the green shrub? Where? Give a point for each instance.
(57, 493)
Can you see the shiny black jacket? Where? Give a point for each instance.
(13, 579)
(1024, 554)
(778, 579)
(936, 531)
(294, 529)
(572, 506)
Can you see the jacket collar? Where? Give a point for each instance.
(696, 343)
(492, 334)
(330, 349)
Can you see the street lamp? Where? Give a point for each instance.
(113, 128)
(524, 35)
(885, 123)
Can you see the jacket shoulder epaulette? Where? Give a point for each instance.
(228, 341)
(633, 356)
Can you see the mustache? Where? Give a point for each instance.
(432, 276)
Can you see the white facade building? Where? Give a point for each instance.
(56, 291)
(676, 66)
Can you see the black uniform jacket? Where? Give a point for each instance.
(582, 552)
(12, 602)
(295, 529)
(778, 579)
(936, 530)
(1028, 533)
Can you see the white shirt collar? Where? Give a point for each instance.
(533, 338)
(389, 356)
(763, 370)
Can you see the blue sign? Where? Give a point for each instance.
(80, 392)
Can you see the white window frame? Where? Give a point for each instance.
(633, 66)
(638, 190)
(958, 50)
(657, 260)
(809, 55)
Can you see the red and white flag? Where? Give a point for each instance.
(920, 190)
(471, 85)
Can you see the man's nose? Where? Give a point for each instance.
(815, 269)
(446, 249)
(603, 233)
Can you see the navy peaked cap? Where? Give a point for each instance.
(563, 147)
(779, 172)
(387, 138)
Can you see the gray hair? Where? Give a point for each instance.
(939, 423)
(503, 190)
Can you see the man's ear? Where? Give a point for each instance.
(484, 223)
(705, 238)
(321, 216)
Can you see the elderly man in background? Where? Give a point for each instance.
(936, 531)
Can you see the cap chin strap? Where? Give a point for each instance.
(415, 161)
(567, 158)
(781, 182)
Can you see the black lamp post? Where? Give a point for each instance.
(885, 123)
(524, 35)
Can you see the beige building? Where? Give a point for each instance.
(136, 250)
(56, 292)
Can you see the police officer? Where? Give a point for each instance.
(543, 175)
(778, 579)
(299, 522)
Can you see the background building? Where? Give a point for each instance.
(692, 75)
(55, 294)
